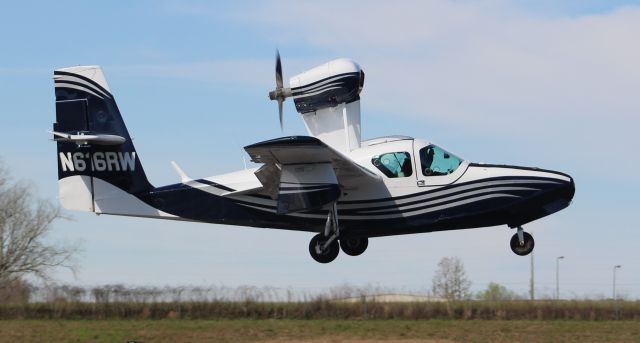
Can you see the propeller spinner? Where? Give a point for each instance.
(280, 93)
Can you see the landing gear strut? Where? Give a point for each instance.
(324, 247)
(522, 243)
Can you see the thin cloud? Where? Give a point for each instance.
(486, 67)
(468, 62)
(244, 72)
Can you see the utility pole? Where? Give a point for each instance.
(614, 280)
(532, 283)
(615, 302)
(558, 276)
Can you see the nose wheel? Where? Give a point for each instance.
(522, 243)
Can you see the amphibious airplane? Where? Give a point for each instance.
(330, 182)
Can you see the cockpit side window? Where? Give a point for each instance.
(435, 161)
(394, 164)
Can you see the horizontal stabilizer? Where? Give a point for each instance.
(88, 138)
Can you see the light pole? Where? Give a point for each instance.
(558, 276)
(531, 281)
(614, 280)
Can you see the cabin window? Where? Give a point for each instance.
(436, 161)
(394, 164)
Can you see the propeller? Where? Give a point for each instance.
(280, 93)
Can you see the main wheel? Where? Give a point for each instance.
(354, 246)
(326, 256)
(522, 249)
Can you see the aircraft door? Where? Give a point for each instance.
(436, 166)
(395, 163)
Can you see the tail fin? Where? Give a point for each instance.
(96, 157)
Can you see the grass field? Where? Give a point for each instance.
(360, 331)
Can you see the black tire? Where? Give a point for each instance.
(354, 246)
(326, 256)
(526, 248)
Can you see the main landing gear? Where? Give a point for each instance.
(522, 243)
(354, 246)
(324, 247)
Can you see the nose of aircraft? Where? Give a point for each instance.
(566, 189)
(560, 196)
(569, 189)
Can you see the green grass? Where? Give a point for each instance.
(246, 330)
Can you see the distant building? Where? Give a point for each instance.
(392, 298)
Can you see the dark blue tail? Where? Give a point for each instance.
(84, 105)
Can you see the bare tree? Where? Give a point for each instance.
(25, 221)
(450, 281)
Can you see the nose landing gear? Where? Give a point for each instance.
(522, 243)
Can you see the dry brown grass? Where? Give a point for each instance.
(326, 309)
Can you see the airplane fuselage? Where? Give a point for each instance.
(473, 195)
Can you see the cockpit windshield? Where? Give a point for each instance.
(436, 161)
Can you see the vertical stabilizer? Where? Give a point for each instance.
(85, 107)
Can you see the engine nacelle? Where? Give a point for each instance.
(335, 82)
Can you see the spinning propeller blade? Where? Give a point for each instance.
(280, 102)
(278, 71)
(280, 93)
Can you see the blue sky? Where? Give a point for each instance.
(534, 83)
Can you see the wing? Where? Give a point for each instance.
(303, 173)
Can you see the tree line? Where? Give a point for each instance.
(25, 222)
